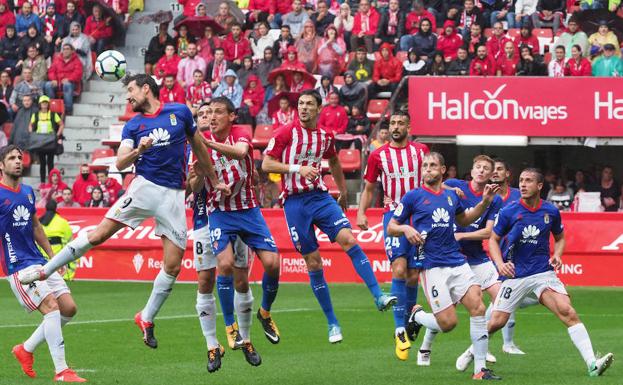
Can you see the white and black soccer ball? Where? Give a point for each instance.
(110, 65)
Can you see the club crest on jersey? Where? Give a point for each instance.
(173, 119)
(546, 218)
(32, 201)
(450, 201)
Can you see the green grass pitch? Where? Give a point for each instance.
(105, 346)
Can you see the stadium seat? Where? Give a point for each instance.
(26, 159)
(257, 154)
(402, 55)
(488, 32)
(102, 153)
(127, 179)
(543, 33)
(247, 127)
(338, 81)
(331, 185)
(262, 135)
(547, 58)
(58, 106)
(129, 113)
(513, 33)
(350, 160)
(7, 128)
(376, 108)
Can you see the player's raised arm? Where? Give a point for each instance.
(204, 164)
(237, 151)
(478, 235)
(468, 217)
(336, 170)
(127, 155)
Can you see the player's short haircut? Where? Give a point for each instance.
(226, 102)
(313, 93)
(198, 71)
(402, 113)
(6, 150)
(435, 154)
(507, 165)
(141, 80)
(484, 158)
(535, 171)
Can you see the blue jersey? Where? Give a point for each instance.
(527, 233)
(433, 215)
(164, 163)
(512, 195)
(17, 207)
(473, 249)
(200, 212)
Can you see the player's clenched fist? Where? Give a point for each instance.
(309, 173)
(145, 144)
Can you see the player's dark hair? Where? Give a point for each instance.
(225, 101)
(440, 158)
(507, 165)
(535, 171)
(6, 150)
(313, 93)
(402, 113)
(141, 80)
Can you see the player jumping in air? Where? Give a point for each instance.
(426, 217)
(297, 151)
(20, 228)
(154, 140)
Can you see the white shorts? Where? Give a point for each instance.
(145, 199)
(486, 274)
(446, 286)
(513, 291)
(32, 294)
(204, 257)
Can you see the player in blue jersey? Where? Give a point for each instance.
(154, 141)
(20, 229)
(527, 224)
(501, 176)
(426, 217)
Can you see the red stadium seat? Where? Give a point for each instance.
(262, 135)
(543, 33)
(26, 159)
(514, 33)
(7, 128)
(102, 153)
(247, 127)
(376, 108)
(338, 80)
(350, 160)
(127, 179)
(547, 58)
(402, 55)
(58, 106)
(331, 185)
(488, 32)
(257, 154)
(129, 113)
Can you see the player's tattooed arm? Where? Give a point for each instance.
(506, 269)
(126, 156)
(40, 237)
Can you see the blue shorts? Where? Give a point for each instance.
(248, 224)
(399, 247)
(305, 210)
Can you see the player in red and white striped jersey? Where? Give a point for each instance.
(398, 164)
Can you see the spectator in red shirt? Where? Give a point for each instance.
(578, 65)
(449, 41)
(84, 184)
(482, 64)
(527, 38)
(291, 60)
(365, 25)
(110, 186)
(236, 46)
(65, 74)
(260, 10)
(507, 63)
(7, 17)
(497, 41)
(387, 72)
(284, 115)
(333, 116)
(207, 44)
(412, 24)
(199, 92)
(167, 65)
(299, 84)
(252, 98)
(53, 189)
(475, 39)
(98, 29)
(190, 6)
(171, 91)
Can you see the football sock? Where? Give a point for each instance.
(243, 303)
(321, 291)
(429, 337)
(427, 320)
(270, 286)
(480, 341)
(410, 299)
(225, 290)
(54, 338)
(72, 251)
(206, 309)
(508, 331)
(38, 336)
(364, 269)
(582, 342)
(163, 285)
(398, 290)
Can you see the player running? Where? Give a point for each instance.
(238, 215)
(296, 151)
(51, 297)
(154, 140)
(426, 217)
(398, 164)
(526, 224)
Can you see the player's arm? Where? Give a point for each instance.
(40, 237)
(559, 247)
(203, 166)
(478, 235)
(338, 175)
(195, 182)
(466, 218)
(127, 154)
(506, 269)
(237, 151)
(364, 203)
(396, 229)
(270, 164)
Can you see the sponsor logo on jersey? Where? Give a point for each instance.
(529, 234)
(138, 261)
(441, 217)
(20, 216)
(9, 246)
(160, 136)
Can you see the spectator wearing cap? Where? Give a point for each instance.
(322, 18)
(391, 26)
(387, 72)
(365, 25)
(459, 66)
(236, 46)
(524, 9)
(353, 92)
(361, 66)
(497, 41)
(578, 65)
(572, 36)
(46, 122)
(412, 24)
(530, 64)
(506, 64)
(333, 116)
(482, 64)
(608, 64)
(474, 40)
(25, 19)
(7, 17)
(295, 19)
(549, 14)
(527, 38)
(449, 41)
(65, 74)
(599, 39)
(171, 91)
(469, 16)
(501, 10)
(558, 66)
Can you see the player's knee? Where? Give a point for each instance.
(205, 286)
(399, 271)
(497, 321)
(568, 314)
(447, 323)
(69, 310)
(172, 269)
(347, 240)
(272, 265)
(241, 285)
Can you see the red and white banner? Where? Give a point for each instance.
(447, 106)
(593, 256)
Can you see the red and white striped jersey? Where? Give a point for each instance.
(237, 174)
(295, 145)
(399, 169)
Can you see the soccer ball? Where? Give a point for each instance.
(110, 65)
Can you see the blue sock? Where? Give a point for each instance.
(225, 289)
(411, 299)
(321, 291)
(270, 286)
(399, 290)
(364, 269)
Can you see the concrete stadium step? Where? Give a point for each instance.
(103, 110)
(32, 181)
(103, 86)
(89, 121)
(74, 133)
(93, 97)
(68, 170)
(80, 146)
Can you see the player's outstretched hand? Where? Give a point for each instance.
(507, 269)
(555, 262)
(222, 187)
(145, 144)
(458, 192)
(490, 191)
(362, 221)
(342, 200)
(413, 236)
(196, 168)
(310, 173)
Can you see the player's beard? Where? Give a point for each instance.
(13, 175)
(140, 107)
(398, 137)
